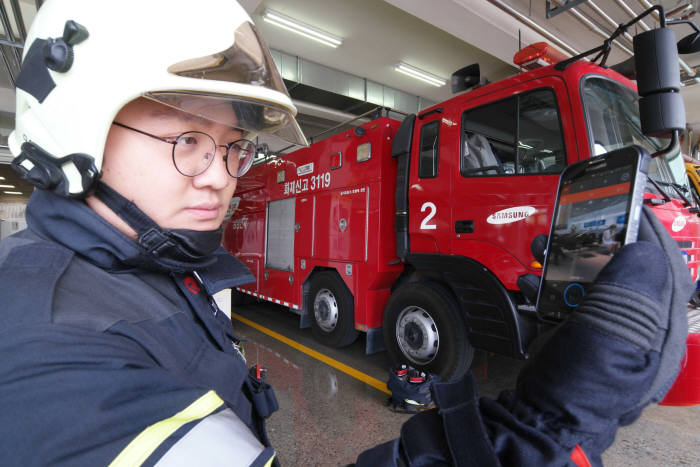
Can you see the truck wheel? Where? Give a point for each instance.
(331, 310)
(423, 328)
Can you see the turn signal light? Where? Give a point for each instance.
(536, 265)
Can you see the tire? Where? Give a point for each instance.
(331, 310)
(423, 327)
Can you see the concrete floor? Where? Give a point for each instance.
(327, 418)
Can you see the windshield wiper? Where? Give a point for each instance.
(661, 191)
(684, 189)
(696, 209)
(678, 189)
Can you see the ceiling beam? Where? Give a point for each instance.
(484, 25)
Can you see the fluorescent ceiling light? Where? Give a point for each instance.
(12, 192)
(293, 25)
(7, 186)
(417, 73)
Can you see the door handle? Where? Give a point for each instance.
(464, 226)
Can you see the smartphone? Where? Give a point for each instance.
(597, 210)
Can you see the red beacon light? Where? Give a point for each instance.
(539, 54)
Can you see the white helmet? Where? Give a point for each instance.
(85, 59)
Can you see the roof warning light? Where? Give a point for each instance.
(539, 54)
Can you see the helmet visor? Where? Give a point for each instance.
(249, 62)
(252, 116)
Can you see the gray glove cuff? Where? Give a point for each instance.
(622, 312)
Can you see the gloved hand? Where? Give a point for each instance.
(619, 351)
(642, 296)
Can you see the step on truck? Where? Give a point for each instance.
(415, 232)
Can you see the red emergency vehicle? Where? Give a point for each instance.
(416, 232)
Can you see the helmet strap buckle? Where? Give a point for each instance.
(155, 241)
(46, 172)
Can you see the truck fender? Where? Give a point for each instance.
(489, 309)
(330, 308)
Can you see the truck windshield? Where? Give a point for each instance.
(612, 116)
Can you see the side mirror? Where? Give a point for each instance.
(661, 108)
(465, 78)
(689, 44)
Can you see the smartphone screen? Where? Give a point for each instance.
(597, 211)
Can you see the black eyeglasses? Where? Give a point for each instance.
(194, 151)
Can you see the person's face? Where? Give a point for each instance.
(141, 169)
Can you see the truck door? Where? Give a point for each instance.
(513, 149)
(429, 191)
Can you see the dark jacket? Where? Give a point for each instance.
(99, 359)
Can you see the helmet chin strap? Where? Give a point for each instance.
(171, 249)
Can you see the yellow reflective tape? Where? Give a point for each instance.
(141, 447)
(348, 370)
(269, 463)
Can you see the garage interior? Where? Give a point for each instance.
(327, 416)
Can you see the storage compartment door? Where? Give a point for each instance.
(341, 225)
(279, 247)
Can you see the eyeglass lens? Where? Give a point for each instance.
(194, 152)
(240, 157)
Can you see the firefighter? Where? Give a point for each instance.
(134, 121)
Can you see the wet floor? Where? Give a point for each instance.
(327, 417)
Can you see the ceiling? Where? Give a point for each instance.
(444, 35)
(439, 36)
(13, 184)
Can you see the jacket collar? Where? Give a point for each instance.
(73, 224)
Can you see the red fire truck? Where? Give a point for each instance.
(416, 232)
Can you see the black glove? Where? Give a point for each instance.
(642, 296)
(619, 350)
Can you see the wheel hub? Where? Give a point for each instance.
(326, 310)
(414, 335)
(417, 335)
